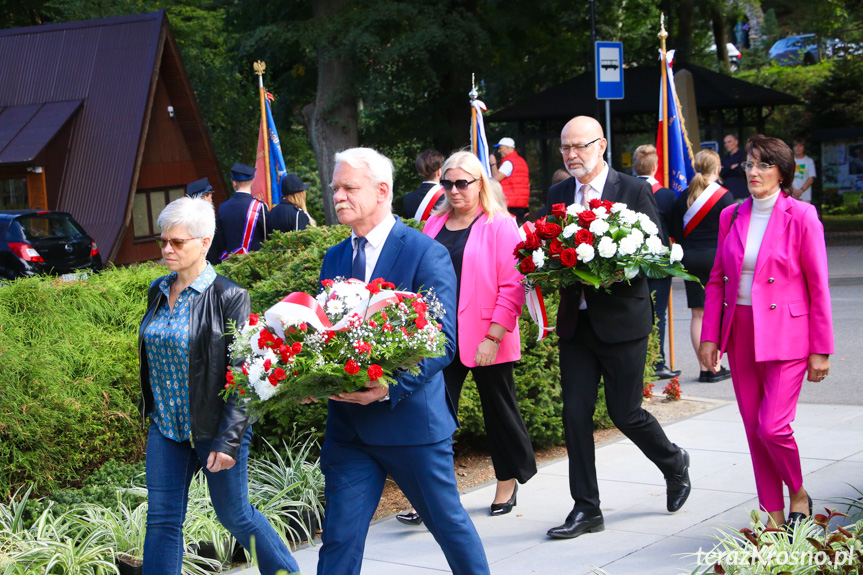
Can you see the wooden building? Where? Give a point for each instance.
(98, 119)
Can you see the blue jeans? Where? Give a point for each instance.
(170, 467)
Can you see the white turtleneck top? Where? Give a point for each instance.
(761, 210)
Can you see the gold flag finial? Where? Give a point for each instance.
(662, 33)
(259, 66)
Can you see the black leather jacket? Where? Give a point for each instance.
(211, 416)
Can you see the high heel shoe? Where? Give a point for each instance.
(504, 508)
(410, 518)
(796, 517)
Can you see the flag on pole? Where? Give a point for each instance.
(481, 144)
(277, 162)
(681, 161)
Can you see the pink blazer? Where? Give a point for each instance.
(490, 289)
(790, 294)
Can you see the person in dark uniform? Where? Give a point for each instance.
(732, 174)
(290, 215)
(241, 224)
(644, 162)
(200, 189)
(429, 164)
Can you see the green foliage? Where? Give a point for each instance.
(69, 376)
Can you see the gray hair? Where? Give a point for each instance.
(195, 214)
(378, 167)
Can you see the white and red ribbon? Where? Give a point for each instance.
(533, 299)
(429, 202)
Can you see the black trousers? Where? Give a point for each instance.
(583, 360)
(661, 287)
(508, 440)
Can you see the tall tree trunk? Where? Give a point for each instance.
(332, 119)
(685, 23)
(720, 35)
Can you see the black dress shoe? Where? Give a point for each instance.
(504, 508)
(578, 523)
(796, 517)
(678, 486)
(665, 373)
(410, 518)
(710, 377)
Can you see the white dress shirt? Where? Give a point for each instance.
(374, 244)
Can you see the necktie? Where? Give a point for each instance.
(585, 200)
(358, 267)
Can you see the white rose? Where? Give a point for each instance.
(585, 252)
(647, 225)
(628, 216)
(601, 213)
(538, 258)
(599, 227)
(617, 207)
(574, 209)
(570, 230)
(637, 236)
(676, 253)
(607, 247)
(627, 246)
(654, 244)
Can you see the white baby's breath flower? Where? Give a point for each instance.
(676, 253)
(607, 247)
(654, 244)
(599, 227)
(627, 246)
(538, 258)
(585, 252)
(574, 209)
(570, 230)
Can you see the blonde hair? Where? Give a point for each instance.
(299, 199)
(644, 160)
(706, 162)
(490, 193)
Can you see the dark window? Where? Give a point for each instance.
(147, 207)
(13, 193)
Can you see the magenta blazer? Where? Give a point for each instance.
(790, 294)
(491, 289)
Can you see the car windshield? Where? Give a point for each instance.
(38, 227)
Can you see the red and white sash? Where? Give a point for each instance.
(248, 231)
(429, 202)
(533, 298)
(701, 206)
(654, 183)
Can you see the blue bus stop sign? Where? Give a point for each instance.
(609, 70)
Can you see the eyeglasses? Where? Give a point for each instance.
(761, 165)
(460, 184)
(577, 147)
(176, 243)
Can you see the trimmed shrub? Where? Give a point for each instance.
(69, 376)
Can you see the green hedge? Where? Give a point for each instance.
(68, 376)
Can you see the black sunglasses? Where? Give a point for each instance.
(460, 184)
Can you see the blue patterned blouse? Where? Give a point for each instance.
(166, 338)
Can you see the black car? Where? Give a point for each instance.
(45, 242)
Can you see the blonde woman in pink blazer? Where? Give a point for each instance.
(472, 222)
(768, 305)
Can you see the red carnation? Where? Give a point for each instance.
(352, 367)
(265, 339)
(230, 376)
(532, 241)
(285, 353)
(421, 322)
(304, 326)
(363, 347)
(527, 266)
(327, 283)
(253, 319)
(585, 218)
(559, 211)
(583, 237)
(373, 288)
(373, 324)
(296, 347)
(375, 372)
(568, 257)
(420, 307)
(245, 369)
(549, 231)
(555, 248)
(280, 374)
(267, 364)
(387, 327)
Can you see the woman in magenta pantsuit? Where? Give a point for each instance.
(768, 305)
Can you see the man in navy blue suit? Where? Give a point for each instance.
(405, 430)
(241, 225)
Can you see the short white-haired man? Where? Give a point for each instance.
(404, 431)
